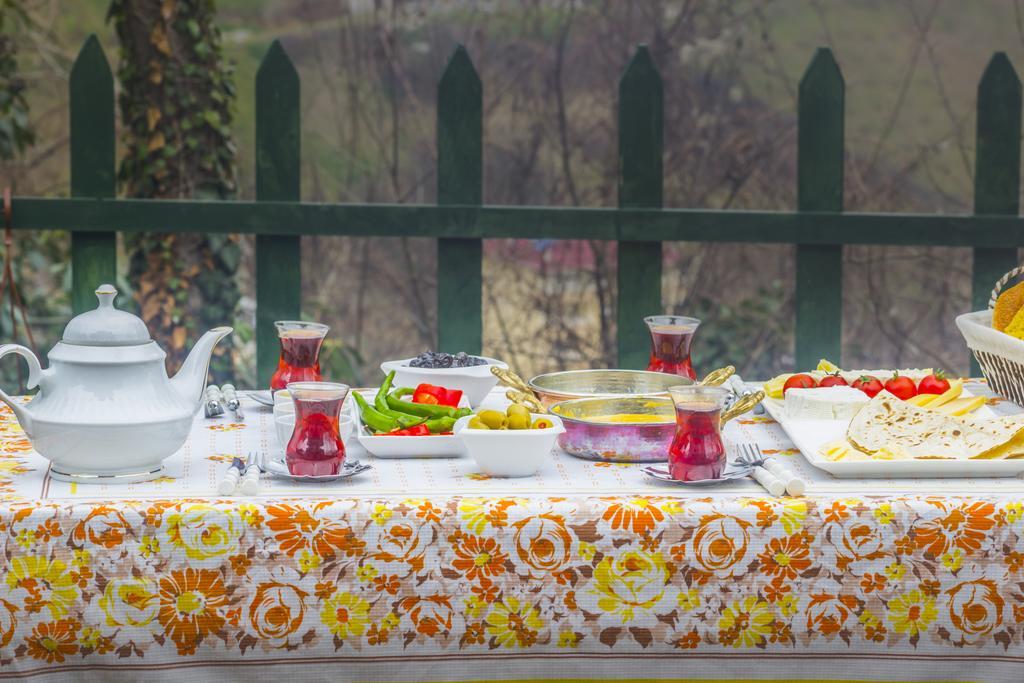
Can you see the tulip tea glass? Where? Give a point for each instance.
(316, 448)
(671, 336)
(697, 451)
(300, 352)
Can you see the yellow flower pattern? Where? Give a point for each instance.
(345, 615)
(912, 612)
(745, 623)
(48, 583)
(631, 584)
(514, 623)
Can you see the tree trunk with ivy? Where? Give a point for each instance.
(176, 107)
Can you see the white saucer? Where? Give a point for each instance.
(262, 397)
(351, 468)
(729, 473)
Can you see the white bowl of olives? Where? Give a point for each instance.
(512, 444)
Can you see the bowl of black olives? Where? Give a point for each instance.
(472, 374)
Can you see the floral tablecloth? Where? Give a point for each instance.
(499, 583)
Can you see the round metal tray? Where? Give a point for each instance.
(555, 387)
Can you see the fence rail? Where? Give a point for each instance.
(819, 227)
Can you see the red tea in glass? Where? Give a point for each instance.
(697, 451)
(316, 448)
(300, 353)
(671, 336)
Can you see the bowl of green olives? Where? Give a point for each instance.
(514, 443)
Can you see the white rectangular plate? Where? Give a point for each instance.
(811, 435)
(404, 446)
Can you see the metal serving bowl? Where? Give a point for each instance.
(589, 434)
(556, 387)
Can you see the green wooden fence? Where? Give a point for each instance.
(819, 227)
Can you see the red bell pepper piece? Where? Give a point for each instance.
(438, 396)
(418, 430)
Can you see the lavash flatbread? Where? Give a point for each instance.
(885, 422)
(1004, 427)
(1010, 428)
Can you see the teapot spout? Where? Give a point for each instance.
(191, 378)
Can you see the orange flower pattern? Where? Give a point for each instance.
(190, 602)
(178, 580)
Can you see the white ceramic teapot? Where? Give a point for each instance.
(106, 410)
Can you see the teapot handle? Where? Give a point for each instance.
(34, 371)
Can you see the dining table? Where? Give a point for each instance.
(429, 570)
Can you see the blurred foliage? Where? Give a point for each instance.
(176, 110)
(343, 363)
(753, 332)
(16, 131)
(16, 135)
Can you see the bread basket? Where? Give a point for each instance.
(1000, 355)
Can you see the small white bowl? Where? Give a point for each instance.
(284, 425)
(509, 452)
(475, 382)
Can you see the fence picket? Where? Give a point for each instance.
(640, 186)
(93, 169)
(459, 181)
(996, 171)
(819, 268)
(278, 257)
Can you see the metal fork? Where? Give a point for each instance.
(751, 456)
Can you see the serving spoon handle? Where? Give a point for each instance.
(718, 377)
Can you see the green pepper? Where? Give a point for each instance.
(406, 420)
(374, 419)
(380, 404)
(423, 409)
(440, 424)
(380, 400)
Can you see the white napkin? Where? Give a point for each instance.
(795, 486)
(771, 484)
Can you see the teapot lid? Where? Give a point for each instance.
(106, 325)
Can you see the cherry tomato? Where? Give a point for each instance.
(868, 384)
(800, 381)
(934, 384)
(835, 380)
(901, 387)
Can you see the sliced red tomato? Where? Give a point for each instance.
(835, 380)
(901, 387)
(936, 383)
(869, 385)
(799, 381)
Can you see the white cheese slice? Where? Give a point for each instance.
(824, 403)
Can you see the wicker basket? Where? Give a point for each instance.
(1000, 356)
